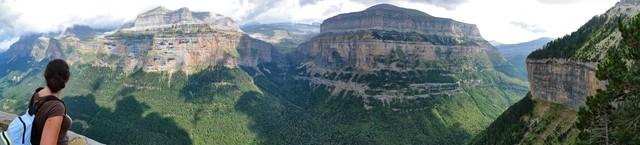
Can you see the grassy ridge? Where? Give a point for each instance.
(531, 122)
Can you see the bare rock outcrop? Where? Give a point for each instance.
(390, 17)
(569, 81)
(387, 53)
(563, 81)
(161, 17)
(158, 40)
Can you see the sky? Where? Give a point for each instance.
(505, 21)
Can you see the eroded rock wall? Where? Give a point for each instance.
(563, 81)
(389, 17)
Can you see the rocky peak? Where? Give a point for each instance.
(157, 10)
(390, 17)
(635, 2)
(82, 31)
(625, 8)
(161, 17)
(381, 46)
(396, 9)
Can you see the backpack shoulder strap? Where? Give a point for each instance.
(31, 101)
(47, 99)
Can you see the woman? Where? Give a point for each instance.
(51, 122)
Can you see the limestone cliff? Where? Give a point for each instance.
(158, 40)
(389, 17)
(561, 75)
(565, 74)
(563, 81)
(387, 53)
(161, 17)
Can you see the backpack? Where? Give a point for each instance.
(5, 139)
(19, 130)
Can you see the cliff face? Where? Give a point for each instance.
(161, 17)
(158, 40)
(190, 52)
(562, 81)
(362, 52)
(389, 17)
(568, 79)
(364, 40)
(387, 53)
(74, 138)
(434, 83)
(561, 75)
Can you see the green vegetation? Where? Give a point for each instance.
(130, 36)
(611, 116)
(581, 44)
(417, 37)
(531, 122)
(508, 128)
(516, 54)
(114, 107)
(276, 103)
(312, 115)
(226, 106)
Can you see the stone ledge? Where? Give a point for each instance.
(74, 138)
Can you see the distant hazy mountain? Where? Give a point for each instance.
(284, 36)
(517, 53)
(495, 43)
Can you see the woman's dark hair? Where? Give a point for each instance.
(57, 74)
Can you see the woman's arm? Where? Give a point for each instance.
(51, 130)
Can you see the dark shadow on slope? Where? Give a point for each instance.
(292, 112)
(211, 83)
(128, 124)
(97, 83)
(509, 127)
(337, 120)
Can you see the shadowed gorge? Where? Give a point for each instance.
(129, 123)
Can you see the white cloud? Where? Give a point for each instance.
(7, 43)
(494, 17)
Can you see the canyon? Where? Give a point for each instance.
(413, 54)
(383, 75)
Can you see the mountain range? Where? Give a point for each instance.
(183, 77)
(383, 75)
(517, 53)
